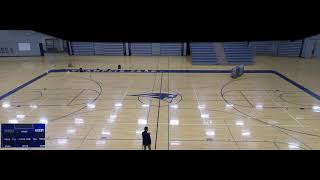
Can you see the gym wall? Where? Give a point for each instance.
(21, 42)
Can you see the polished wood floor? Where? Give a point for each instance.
(209, 111)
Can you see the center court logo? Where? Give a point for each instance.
(171, 97)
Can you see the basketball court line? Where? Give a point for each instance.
(275, 144)
(196, 95)
(237, 141)
(150, 102)
(311, 93)
(155, 144)
(168, 71)
(285, 110)
(76, 97)
(245, 97)
(168, 108)
(279, 128)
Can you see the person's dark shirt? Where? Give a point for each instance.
(146, 138)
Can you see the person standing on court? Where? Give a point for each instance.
(146, 139)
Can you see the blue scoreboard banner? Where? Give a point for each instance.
(22, 135)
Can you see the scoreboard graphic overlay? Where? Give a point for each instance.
(22, 135)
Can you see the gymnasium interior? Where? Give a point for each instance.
(83, 95)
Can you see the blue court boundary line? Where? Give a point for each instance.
(311, 93)
(22, 86)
